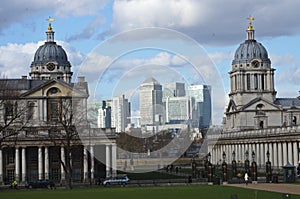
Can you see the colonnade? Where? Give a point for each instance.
(281, 152)
(20, 170)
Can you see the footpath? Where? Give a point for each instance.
(281, 188)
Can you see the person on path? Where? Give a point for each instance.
(246, 178)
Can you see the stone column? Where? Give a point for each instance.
(257, 154)
(295, 153)
(284, 150)
(46, 163)
(63, 159)
(290, 152)
(40, 163)
(107, 160)
(261, 154)
(265, 152)
(271, 152)
(275, 151)
(92, 161)
(1, 167)
(242, 154)
(17, 165)
(114, 159)
(239, 152)
(85, 165)
(24, 165)
(280, 160)
(213, 155)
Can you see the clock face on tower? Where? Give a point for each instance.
(255, 64)
(50, 66)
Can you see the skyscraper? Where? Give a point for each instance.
(179, 110)
(104, 114)
(173, 89)
(202, 109)
(120, 113)
(151, 107)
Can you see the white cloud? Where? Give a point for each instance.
(16, 11)
(208, 21)
(15, 59)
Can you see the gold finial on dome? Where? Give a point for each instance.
(50, 19)
(250, 27)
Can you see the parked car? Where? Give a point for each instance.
(41, 184)
(116, 180)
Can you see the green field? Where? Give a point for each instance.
(163, 192)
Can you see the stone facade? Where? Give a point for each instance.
(255, 120)
(34, 121)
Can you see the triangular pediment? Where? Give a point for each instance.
(260, 102)
(231, 107)
(65, 90)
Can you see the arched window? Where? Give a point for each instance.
(261, 124)
(294, 121)
(54, 104)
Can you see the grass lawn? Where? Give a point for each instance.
(163, 192)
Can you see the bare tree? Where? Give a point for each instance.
(15, 112)
(64, 132)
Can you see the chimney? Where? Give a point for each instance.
(80, 79)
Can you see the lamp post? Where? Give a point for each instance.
(193, 167)
(233, 165)
(254, 167)
(210, 168)
(247, 162)
(224, 168)
(268, 168)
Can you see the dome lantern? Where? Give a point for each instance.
(250, 30)
(50, 32)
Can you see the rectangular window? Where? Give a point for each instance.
(54, 110)
(255, 82)
(30, 111)
(262, 81)
(248, 82)
(9, 109)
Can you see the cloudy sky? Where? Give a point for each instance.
(118, 44)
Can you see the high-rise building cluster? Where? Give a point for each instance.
(172, 104)
(114, 113)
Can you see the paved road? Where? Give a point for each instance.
(282, 188)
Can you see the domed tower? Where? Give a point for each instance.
(251, 75)
(50, 60)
